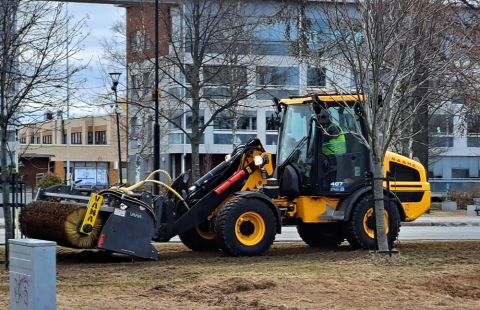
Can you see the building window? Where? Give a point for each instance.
(23, 140)
(47, 139)
(202, 139)
(441, 130)
(223, 120)
(316, 77)
(272, 120)
(268, 94)
(38, 140)
(140, 40)
(459, 173)
(146, 83)
(64, 139)
(201, 118)
(100, 137)
(228, 138)
(247, 120)
(271, 139)
(134, 86)
(77, 138)
(90, 138)
(32, 140)
(277, 76)
(176, 119)
(148, 42)
(473, 131)
(441, 124)
(176, 138)
(225, 75)
(437, 141)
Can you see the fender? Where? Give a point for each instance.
(346, 205)
(269, 202)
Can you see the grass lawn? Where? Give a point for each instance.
(425, 275)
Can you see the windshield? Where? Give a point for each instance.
(295, 126)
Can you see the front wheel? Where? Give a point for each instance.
(245, 227)
(360, 229)
(200, 238)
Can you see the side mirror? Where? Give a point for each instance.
(277, 105)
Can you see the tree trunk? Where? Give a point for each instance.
(379, 205)
(234, 129)
(5, 187)
(195, 159)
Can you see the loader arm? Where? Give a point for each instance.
(199, 212)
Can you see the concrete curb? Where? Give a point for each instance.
(445, 224)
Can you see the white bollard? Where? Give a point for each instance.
(473, 210)
(449, 206)
(32, 274)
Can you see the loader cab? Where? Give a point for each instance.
(320, 149)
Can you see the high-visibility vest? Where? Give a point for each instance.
(335, 146)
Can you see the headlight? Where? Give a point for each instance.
(258, 160)
(227, 157)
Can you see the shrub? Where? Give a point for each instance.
(465, 198)
(49, 179)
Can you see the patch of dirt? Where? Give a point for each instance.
(218, 293)
(464, 286)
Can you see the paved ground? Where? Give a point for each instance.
(422, 221)
(407, 233)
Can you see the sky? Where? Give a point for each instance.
(99, 19)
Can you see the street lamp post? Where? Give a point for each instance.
(115, 77)
(156, 125)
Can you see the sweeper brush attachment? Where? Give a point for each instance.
(59, 222)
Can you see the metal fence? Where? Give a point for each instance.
(18, 199)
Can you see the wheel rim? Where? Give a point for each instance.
(250, 228)
(369, 216)
(206, 235)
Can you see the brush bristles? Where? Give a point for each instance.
(58, 222)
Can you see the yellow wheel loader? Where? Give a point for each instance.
(318, 185)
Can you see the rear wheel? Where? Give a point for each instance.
(360, 229)
(321, 234)
(200, 238)
(245, 227)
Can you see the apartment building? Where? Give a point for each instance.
(454, 141)
(274, 72)
(92, 151)
(454, 150)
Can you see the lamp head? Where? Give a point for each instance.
(115, 77)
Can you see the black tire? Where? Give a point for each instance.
(241, 219)
(199, 239)
(321, 234)
(356, 233)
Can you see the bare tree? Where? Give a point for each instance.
(397, 55)
(34, 46)
(113, 58)
(209, 64)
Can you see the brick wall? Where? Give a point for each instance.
(34, 166)
(143, 18)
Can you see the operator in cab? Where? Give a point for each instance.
(333, 145)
